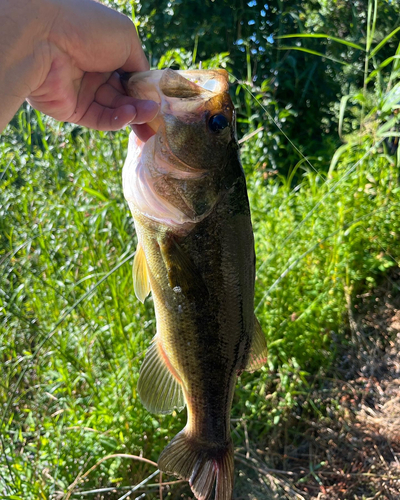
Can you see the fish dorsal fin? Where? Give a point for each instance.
(140, 272)
(258, 350)
(159, 389)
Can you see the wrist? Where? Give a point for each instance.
(23, 29)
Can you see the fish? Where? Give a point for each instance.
(186, 189)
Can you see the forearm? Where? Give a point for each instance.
(23, 28)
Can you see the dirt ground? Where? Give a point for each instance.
(353, 450)
(342, 440)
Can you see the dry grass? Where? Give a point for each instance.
(343, 440)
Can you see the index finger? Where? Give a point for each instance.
(137, 61)
(99, 39)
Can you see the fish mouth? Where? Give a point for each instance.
(181, 84)
(166, 163)
(183, 93)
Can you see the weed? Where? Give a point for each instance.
(72, 334)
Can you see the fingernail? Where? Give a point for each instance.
(132, 109)
(146, 111)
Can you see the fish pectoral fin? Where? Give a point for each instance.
(159, 389)
(258, 350)
(182, 271)
(140, 273)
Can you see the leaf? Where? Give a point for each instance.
(369, 25)
(108, 442)
(392, 99)
(351, 228)
(95, 193)
(381, 66)
(371, 28)
(386, 127)
(328, 37)
(396, 65)
(383, 42)
(389, 134)
(343, 104)
(398, 157)
(309, 51)
(336, 156)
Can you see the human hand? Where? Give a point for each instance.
(76, 46)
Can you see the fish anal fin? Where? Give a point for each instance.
(140, 273)
(159, 388)
(202, 465)
(258, 350)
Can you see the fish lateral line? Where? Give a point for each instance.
(201, 267)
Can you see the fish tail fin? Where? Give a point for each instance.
(203, 465)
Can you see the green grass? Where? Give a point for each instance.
(73, 335)
(69, 366)
(72, 342)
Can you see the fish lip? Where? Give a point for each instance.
(183, 93)
(201, 78)
(143, 131)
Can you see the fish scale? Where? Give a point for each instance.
(196, 255)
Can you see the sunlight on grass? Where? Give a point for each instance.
(73, 335)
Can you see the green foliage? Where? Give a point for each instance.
(297, 82)
(69, 366)
(72, 334)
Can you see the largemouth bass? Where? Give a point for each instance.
(187, 192)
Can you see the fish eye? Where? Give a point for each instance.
(217, 123)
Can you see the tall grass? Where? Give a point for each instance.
(72, 334)
(69, 367)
